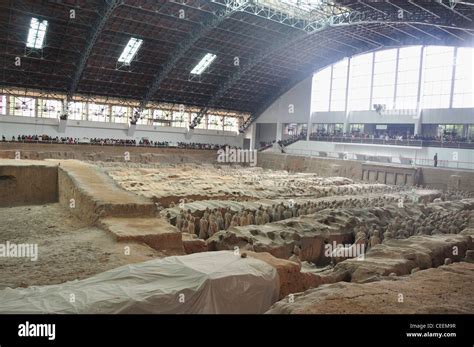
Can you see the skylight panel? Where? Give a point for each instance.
(37, 33)
(203, 64)
(130, 51)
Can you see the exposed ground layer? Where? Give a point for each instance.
(106, 153)
(212, 182)
(446, 289)
(68, 248)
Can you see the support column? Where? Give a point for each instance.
(64, 106)
(35, 107)
(346, 108)
(419, 96)
(396, 81)
(465, 130)
(108, 115)
(279, 131)
(372, 82)
(252, 134)
(309, 129)
(7, 105)
(455, 58)
(87, 110)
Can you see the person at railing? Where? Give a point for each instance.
(112, 142)
(435, 159)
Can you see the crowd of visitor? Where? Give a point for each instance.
(110, 142)
(392, 136)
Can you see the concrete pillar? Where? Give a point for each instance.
(346, 108)
(310, 129)
(7, 105)
(419, 98)
(87, 109)
(279, 131)
(64, 106)
(396, 81)
(465, 130)
(252, 135)
(108, 113)
(455, 58)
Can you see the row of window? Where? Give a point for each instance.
(395, 78)
(48, 108)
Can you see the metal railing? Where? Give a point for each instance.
(394, 142)
(380, 159)
(48, 142)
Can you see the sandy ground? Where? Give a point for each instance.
(67, 248)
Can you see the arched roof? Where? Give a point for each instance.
(275, 50)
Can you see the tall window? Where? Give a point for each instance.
(360, 82)
(407, 79)
(77, 110)
(203, 123)
(357, 128)
(321, 90)
(214, 122)
(161, 117)
(438, 71)
(98, 113)
(120, 114)
(145, 118)
(231, 124)
(49, 108)
(339, 84)
(3, 104)
(21, 106)
(384, 78)
(463, 82)
(180, 119)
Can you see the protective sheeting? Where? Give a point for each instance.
(210, 282)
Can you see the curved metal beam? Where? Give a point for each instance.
(339, 20)
(104, 15)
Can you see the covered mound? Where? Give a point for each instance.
(212, 282)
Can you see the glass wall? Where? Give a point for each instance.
(120, 114)
(98, 112)
(463, 95)
(321, 90)
(438, 74)
(22, 106)
(77, 110)
(231, 124)
(3, 104)
(407, 78)
(49, 108)
(180, 119)
(360, 82)
(383, 90)
(339, 85)
(214, 122)
(392, 78)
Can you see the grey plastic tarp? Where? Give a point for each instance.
(210, 282)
